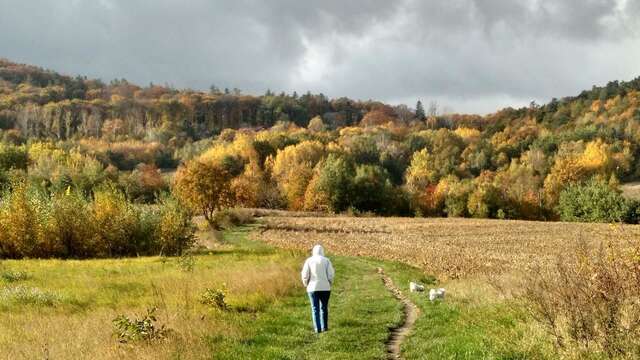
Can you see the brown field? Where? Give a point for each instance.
(448, 248)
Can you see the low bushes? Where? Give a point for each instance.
(72, 225)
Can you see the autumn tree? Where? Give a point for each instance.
(377, 118)
(316, 124)
(205, 186)
(292, 168)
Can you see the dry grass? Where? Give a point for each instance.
(94, 292)
(447, 248)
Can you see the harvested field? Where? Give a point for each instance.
(448, 248)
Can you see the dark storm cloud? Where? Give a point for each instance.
(475, 55)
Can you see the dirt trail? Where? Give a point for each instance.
(410, 313)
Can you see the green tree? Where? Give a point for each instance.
(420, 114)
(372, 189)
(331, 184)
(592, 201)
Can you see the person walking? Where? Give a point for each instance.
(317, 275)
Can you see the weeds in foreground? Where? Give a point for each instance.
(28, 296)
(589, 302)
(146, 328)
(14, 276)
(215, 298)
(187, 262)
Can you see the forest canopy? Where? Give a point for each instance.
(309, 152)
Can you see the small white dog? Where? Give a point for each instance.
(436, 294)
(415, 287)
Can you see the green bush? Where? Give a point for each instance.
(592, 201)
(372, 190)
(13, 157)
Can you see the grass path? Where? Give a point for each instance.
(473, 322)
(361, 313)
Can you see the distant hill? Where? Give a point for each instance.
(560, 160)
(43, 103)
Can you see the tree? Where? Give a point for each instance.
(420, 114)
(205, 186)
(316, 124)
(376, 118)
(592, 201)
(372, 189)
(331, 185)
(293, 168)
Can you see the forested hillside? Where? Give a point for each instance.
(46, 104)
(561, 160)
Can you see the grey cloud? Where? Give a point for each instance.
(474, 54)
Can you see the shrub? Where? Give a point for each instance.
(72, 225)
(186, 262)
(13, 157)
(143, 184)
(215, 298)
(115, 220)
(175, 230)
(592, 201)
(20, 222)
(145, 328)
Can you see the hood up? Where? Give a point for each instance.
(318, 250)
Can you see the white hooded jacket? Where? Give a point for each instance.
(317, 272)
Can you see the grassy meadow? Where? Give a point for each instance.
(64, 309)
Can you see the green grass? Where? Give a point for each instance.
(361, 311)
(473, 324)
(64, 309)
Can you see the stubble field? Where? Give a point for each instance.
(447, 248)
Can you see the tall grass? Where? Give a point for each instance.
(589, 302)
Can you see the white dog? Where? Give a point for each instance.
(436, 294)
(415, 287)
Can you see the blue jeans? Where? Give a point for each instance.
(320, 309)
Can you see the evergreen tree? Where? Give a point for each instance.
(420, 110)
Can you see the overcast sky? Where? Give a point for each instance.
(470, 55)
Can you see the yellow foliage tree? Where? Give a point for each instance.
(293, 169)
(204, 186)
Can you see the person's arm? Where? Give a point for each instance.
(305, 275)
(330, 272)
